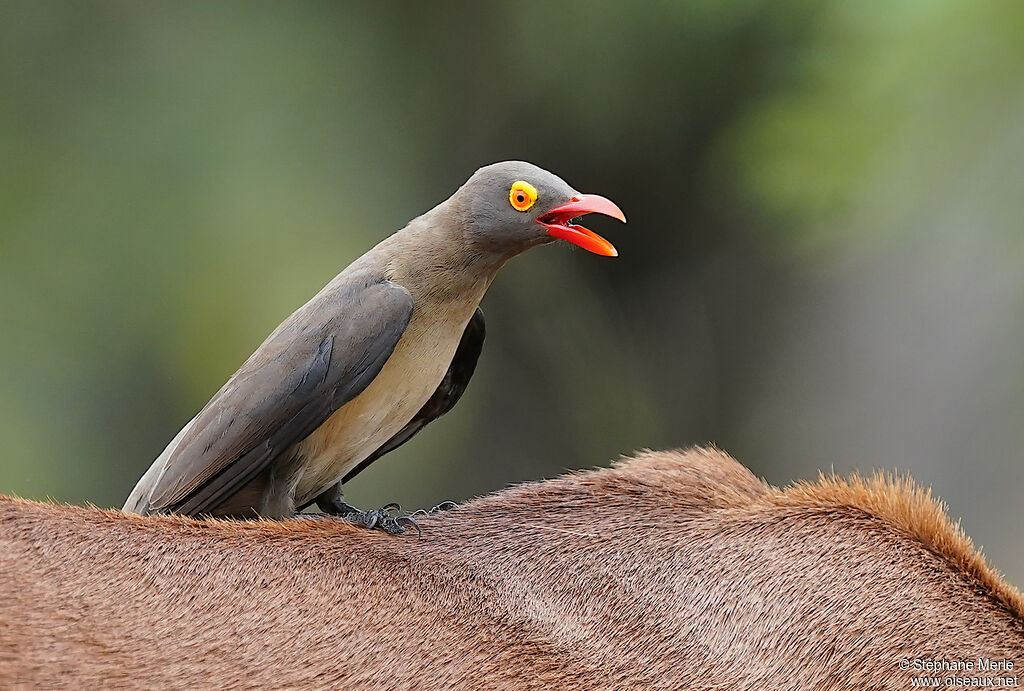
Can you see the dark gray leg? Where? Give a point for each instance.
(333, 502)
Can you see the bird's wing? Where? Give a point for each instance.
(321, 357)
(455, 381)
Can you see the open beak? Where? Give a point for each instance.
(559, 220)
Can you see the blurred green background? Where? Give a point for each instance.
(823, 265)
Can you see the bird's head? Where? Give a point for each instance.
(511, 206)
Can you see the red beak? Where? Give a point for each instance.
(558, 222)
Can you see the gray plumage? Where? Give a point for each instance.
(387, 346)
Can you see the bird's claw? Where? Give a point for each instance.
(408, 521)
(443, 506)
(384, 519)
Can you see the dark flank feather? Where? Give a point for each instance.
(289, 387)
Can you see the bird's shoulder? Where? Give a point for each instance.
(341, 308)
(324, 354)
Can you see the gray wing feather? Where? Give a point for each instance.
(320, 358)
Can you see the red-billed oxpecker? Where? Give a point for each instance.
(385, 348)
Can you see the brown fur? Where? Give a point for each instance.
(671, 570)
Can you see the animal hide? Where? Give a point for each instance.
(669, 570)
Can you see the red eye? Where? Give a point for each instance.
(522, 195)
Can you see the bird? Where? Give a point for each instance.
(386, 347)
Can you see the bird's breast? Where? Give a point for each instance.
(408, 379)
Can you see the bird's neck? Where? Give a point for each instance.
(435, 260)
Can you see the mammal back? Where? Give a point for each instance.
(672, 570)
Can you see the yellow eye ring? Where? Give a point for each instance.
(522, 195)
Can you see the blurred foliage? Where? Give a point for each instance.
(822, 267)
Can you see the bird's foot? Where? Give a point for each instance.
(443, 506)
(385, 518)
